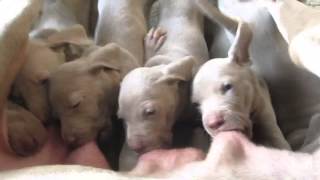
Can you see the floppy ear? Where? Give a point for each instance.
(72, 42)
(104, 59)
(112, 57)
(239, 50)
(180, 70)
(44, 33)
(95, 68)
(74, 34)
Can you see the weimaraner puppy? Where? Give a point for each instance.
(230, 95)
(88, 100)
(14, 42)
(174, 52)
(27, 139)
(293, 90)
(42, 57)
(83, 93)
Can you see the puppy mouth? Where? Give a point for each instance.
(163, 145)
(236, 130)
(243, 131)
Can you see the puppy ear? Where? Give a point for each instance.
(72, 42)
(74, 34)
(43, 33)
(239, 50)
(111, 57)
(180, 70)
(105, 58)
(96, 68)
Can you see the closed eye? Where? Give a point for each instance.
(43, 82)
(149, 111)
(76, 105)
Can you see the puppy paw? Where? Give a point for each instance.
(153, 41)
(26, 134)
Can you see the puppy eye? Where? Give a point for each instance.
(43, 81)
(149, 111)
(226, 87)
(76, 105)
(195, 105)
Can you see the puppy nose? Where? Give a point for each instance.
(139, 149)
(215, 121)
(71, 140)
(138, 146)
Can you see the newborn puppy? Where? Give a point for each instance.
(154, 97)
(230, 95)
(312, 138)
(13, 42)
(294, 90)
(42, 57)
(83, 93)
(123, 22)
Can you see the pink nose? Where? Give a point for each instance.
(215, 121)
(138, 146)
(70, 139)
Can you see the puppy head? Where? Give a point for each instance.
(150, 100)
(43, 57)
(224, 91)
(84, 93)
(224, 88)
(31, 82)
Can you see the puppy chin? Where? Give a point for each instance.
(244, 130)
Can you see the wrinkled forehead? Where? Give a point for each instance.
(139, 86)
(140, 80)
(134, 103)
(221, 69)
(70, 77)
(41, 54)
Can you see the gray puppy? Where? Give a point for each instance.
(150, 110)
(231, 96)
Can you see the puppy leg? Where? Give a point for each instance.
(312, 140)
(296, 138)
(16, 26)
(26, 134)
(13, 41)
(153, 41)
(266, 129)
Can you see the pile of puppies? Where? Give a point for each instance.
(154, 81)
